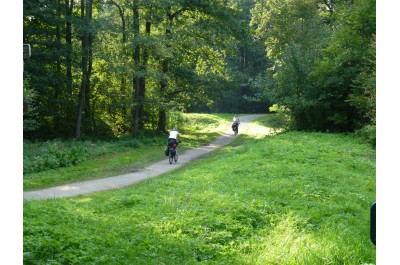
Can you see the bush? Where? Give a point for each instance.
(55, 154)
(42, 156)
(175, 119)
(368, 133)
(281, 119)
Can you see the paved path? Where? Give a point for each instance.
(125, 180)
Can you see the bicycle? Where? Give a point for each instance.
(173, 154)
(235, 128)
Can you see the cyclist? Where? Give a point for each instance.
(173, 135)
(235, 123)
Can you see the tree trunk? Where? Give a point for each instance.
(59, 85)
(162, 120)
(124, 40)
(88, 116)
(162, 117)
(68, 39)
(142, 90)
(136, 80)
(85, 62)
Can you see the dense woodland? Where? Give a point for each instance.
(117, 67)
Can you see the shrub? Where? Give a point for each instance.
(54, 154)
(281, 119)
(368, 133)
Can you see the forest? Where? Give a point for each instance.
(108, 68)
(105, 79)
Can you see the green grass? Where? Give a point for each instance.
(293, 198)
(59, 162)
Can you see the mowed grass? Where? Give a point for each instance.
(292, 198)
(53, 163)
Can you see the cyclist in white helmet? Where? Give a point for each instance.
(173, 136)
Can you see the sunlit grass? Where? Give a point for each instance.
(258, 130)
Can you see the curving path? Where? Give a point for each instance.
(154, 170)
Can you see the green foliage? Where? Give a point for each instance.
(237, 94)
(364, 94)
(324, 61)
(42, 156)
(368, 134)
(176, 119)
(294, 198)
(281, 119)
(30, 110)
(182, 47)
(53, 101)
(315, 57)
(294, 53)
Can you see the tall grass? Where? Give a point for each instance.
(293, 198)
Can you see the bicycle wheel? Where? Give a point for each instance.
(171, 158)
(176, 157)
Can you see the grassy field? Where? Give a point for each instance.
(292, 198)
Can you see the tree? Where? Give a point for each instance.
(84, 94)
(319, 50)
(241, 95)
(69, 6)
(341, 75)
(44, 27)
(136, 78)
(291, 30)
(119, 66)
